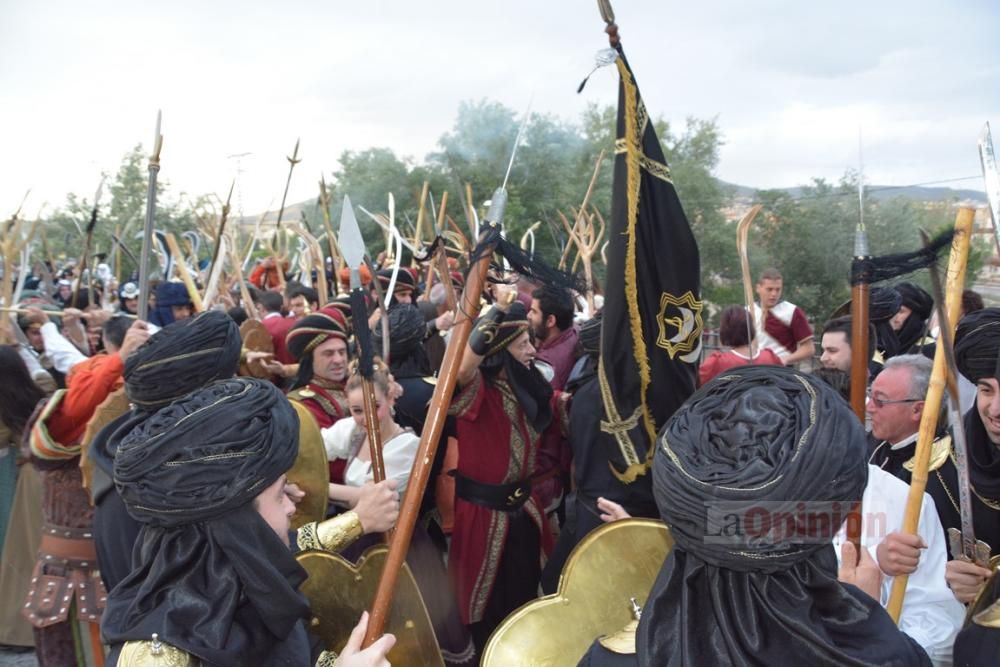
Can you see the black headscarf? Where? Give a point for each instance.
(883, 304)
(209, 575)
(914, 327)
(977, 345)
(181, 357)
(533, 391)
(760, 440)
(407, 327)
(977, 354)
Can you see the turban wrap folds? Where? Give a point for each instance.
(884, 303)
(914, 327)
(753, 442)
(977, 345)
(182, 357)
(209, 575)
(407, 328)
(590, 336)
(406, 280)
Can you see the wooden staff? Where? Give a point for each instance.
(248, 304)
(436, 416)
(742, 241)
(56, 313)
(932, 402)
(192, 289)
(418, 234)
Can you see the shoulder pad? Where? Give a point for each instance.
(300, 393)
(155, 654)
(623, 641)
(940, 450)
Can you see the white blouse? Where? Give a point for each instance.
(343, 440)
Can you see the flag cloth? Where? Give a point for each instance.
(651, 342)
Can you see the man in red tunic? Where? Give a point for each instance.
(319, 343)
(506, 436)
(781, 326)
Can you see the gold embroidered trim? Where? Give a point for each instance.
(633, 143)
(495, 537)
(617, 427)
(466, 396)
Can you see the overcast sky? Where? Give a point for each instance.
(791, 82)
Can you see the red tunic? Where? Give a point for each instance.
(720, 361)
(496, 446)
(327, 406)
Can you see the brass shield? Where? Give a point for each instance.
(311, 472)
(339, 592)
(256, 338)
(613, 563)
(110, 409)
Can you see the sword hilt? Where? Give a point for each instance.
(969, 550)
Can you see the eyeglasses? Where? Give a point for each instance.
(882, 402)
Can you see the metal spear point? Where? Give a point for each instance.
(991, 175)
(293, 160)
(147, 231)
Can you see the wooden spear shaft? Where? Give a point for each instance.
(436, 416)
(932, 403)
(192, 289)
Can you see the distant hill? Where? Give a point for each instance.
(882, 192)
(293, 211)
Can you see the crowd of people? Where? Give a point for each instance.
(164, 528)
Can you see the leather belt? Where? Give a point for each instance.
(508, 497)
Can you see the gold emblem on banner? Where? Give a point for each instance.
(680, 325)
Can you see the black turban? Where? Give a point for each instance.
(514, 323)
(182, 357)
(407, 328)
(208, 453)
(209, 574)
(977, 345)
(745, 450)
(916, 299)
(884, 302)
(914, 328)
(313, 330)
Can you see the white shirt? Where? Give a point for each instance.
(931, 615)
(63, 353)
(398, 454)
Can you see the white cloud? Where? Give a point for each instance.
(791, 82)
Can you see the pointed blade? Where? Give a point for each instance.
(991, 176)
(352, 245)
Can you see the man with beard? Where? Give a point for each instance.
(551, 318)
(507, 430)
(319, 343)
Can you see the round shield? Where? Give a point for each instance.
(256, 338)
(311, 472)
